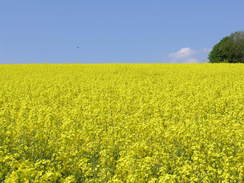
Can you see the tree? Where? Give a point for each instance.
(230, 49)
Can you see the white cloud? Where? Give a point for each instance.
(188, 55)
(182, 53)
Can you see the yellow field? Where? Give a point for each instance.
(132, 123)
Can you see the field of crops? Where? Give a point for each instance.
(122, 123)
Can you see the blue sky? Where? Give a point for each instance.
(95, 31)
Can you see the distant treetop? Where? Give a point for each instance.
(230, 49)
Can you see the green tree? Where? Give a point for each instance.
(230, 49)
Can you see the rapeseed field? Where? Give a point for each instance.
(122, 123)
